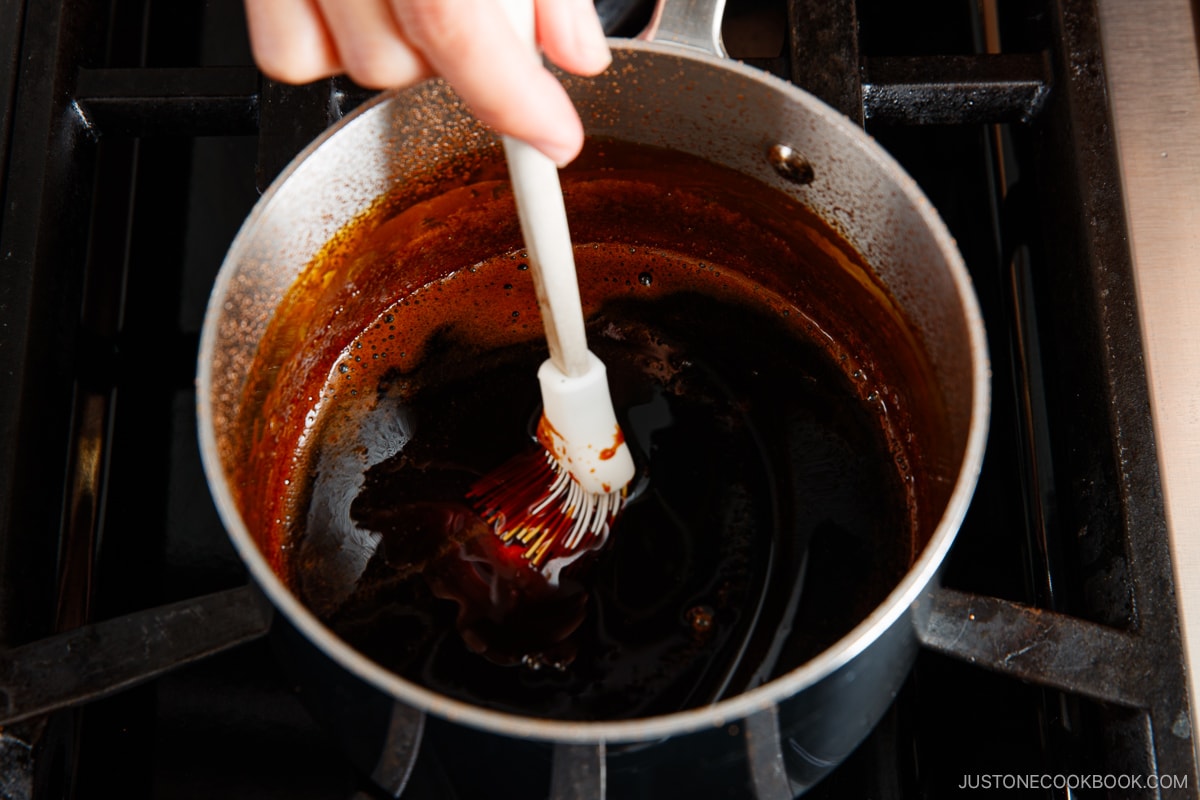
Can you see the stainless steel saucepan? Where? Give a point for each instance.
(674, 89)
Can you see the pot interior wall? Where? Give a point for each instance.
(735, 115)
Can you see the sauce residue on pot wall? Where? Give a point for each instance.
(780, 415)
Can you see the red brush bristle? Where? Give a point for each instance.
(531, 501)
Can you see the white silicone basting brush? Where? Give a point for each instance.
(563, 500)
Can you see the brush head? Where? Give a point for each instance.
(559, 500)
(534, 502)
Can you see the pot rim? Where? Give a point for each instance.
(905, 596)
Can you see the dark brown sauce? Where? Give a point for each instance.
(777, 412)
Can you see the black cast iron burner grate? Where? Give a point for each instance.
(1091, 616)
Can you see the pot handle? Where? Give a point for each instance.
(694, 24)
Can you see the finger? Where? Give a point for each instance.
(572, 37)
(502, 80)
(289, 40)
(370, 45)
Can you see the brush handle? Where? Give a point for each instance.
(543, 218)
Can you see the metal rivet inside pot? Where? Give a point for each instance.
(790, 164)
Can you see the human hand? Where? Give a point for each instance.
(393, 43)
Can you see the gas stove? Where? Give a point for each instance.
(1053, 138)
